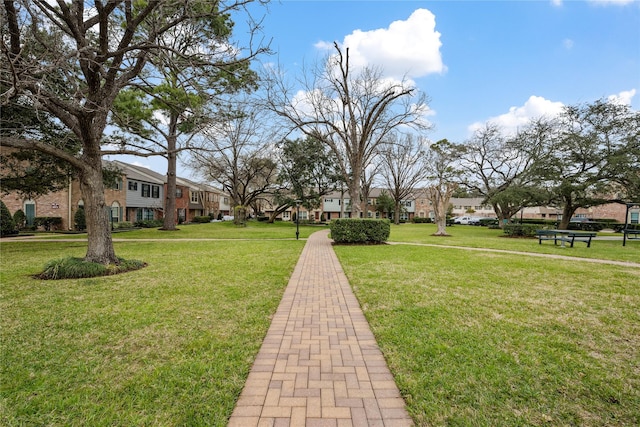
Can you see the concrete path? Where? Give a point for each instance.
(319, 364)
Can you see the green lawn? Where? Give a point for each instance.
(168, 345)
(473, 338)
(492, 339)
(482, 237)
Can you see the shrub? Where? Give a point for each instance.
(7, 224)
(47, 222)
(77, 268)
(360, 230)
(521, 230)
(201, 219)
(122, 225)
(418, 220)
(80, 220)
(20, 219)
(489, 222)
(149, 223)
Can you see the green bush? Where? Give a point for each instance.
(521, 230)
(7, 224)
(201, 219)
(360, 230)
(20, 219)
(80, 220)
(47, 222)
(588, 226)
(418, 220)
(122, 225)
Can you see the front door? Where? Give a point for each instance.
(30, 212)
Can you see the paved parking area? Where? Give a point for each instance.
(319, 364)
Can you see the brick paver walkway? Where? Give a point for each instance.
(319, 364)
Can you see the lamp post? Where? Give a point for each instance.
(298, 218)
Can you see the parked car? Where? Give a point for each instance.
(467, 220)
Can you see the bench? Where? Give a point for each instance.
(563, 236)
(627, 234)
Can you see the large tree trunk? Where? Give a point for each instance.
(567, 212)
(440, 200)
(169, 222)
(396, 213)
(354, 193)
(100, 245)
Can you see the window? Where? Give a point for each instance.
(133, 186)
(635, 217)
(155, 191)
(117, 184)
(304, 215)
(194, 197)
(115, 212)
(179, 193)
(226, 201)
(328, 200)
(182, 214)
(146, 190)
(144, 214)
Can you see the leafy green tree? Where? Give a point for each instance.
(307, 173)
(385, 204)
(72, 61)
(164, 113)
(32, 173)
(592, 158)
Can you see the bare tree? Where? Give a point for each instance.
(353, 113)
(403, 168)
(236, 152)
(443, 176)
(72, 60)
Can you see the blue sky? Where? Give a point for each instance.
(505, 61)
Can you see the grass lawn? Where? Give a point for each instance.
(491, 339)
(482, 237)
(473, 338)
(168, 345)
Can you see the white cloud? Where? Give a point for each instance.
(557, 3)
(623, 97)
(534, 107)
(408, 48)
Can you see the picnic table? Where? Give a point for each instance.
(568, 236)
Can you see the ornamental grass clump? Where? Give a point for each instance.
(78, 268)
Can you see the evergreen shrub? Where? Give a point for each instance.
(521, 230)
(347, 230)
(48, 222)
(7, 224)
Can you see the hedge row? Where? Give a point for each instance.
(521, 230)
(349, 230)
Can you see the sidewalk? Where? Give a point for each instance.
(319, 364)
